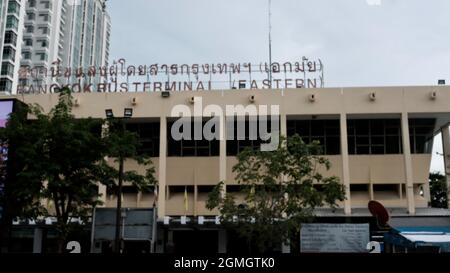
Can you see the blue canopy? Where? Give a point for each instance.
(416, 237)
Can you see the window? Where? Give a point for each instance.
(13, 8)
(42, 56)
(32, 3)
(9, 54)
(377, 136)
(327, 132)
(46, 4)
(242, 138)
(148, 137)
(10, 37)
(31, 16)
(44, 30)
(43, 43)
(191, 147)
(45, 17)
(5, 85)
(29, 28)
(12, 22)
(26, 55)
(28, 42)
(7, 69)
(421, 135)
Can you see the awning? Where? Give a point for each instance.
(416, 237)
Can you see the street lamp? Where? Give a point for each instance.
(128, 113)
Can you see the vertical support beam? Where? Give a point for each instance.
(286, 246)
(223, 152)
(283, 125)
(138, 199)
(446, 149)
(345, 164)
(162, 168)
(408, 165)
(222, 241)
(371, 193)
(37, 240)
(195, 205)
(102, 192)
(102, 188)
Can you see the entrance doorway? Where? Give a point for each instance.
(195, 241)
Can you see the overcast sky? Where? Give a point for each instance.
(399, 42)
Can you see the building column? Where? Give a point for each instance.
(162, 168)
(102, 189)
(446, 149)
(222, 241)
(286, 246)
(223, 152)
(37, 240)
(408, 165)
(345, 164)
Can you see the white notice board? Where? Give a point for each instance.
(334, 238)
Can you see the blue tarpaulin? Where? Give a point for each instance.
(416, 237)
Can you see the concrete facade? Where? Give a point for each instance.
(398, 180)
(11, 31)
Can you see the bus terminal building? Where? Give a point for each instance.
(378, 139)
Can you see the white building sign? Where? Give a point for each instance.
(334, 238)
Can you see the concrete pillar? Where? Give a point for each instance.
(138, 199)
(102, 188)
(162, 168)
(223, 152)
(446, 149)
(408, 165)
(37, 240)
(345, 164)
(283, 125)
(285, 247)
(222, 241)
(160, 240)
(102, 192)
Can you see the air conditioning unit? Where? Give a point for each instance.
(433, 95)
(166, 220)
(165, 94)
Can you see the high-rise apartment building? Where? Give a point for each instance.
(11, 28)
(87, 37)
(59, 36)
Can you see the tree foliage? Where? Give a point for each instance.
(280, 189)
(438, 190)
(61, 159)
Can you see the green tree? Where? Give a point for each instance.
(60, 159)
(438, 190)
(124, 145)
(281, 190)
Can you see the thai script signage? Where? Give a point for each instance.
(334, 238)
(120, 77)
